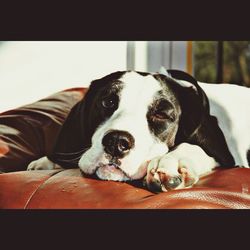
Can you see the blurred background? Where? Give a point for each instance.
(32, 70)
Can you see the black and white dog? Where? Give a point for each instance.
(163, 126)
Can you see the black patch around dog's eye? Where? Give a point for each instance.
(162, 111)
(110, 102)
(161, 116)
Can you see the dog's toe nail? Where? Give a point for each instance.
(173, 182)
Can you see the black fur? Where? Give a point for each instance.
(165, 104)
(196, 125)
(142, 73)
(248, 156)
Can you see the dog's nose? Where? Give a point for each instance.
(117, 143)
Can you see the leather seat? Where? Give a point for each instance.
(68, 189)
(29, 132)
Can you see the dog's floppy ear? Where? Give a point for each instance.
(73, 136)
(193, 101)
(196, 125)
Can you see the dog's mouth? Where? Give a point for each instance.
(112, 168)
(111, 171)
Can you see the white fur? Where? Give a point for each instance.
(188, 156)
(189, 153)
(163, 71)
(136, 95)
(42, 164)
(230, 104)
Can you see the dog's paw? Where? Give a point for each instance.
(180, 168)
(42, 164)
(170, 172)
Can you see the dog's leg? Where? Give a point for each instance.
(239, 151)
(42, 164)
(179, 168)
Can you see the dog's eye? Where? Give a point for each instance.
(110, 102)
(161, 115)
(164, 111)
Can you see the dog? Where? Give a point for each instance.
(164, 127)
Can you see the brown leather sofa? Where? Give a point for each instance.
(27, 133)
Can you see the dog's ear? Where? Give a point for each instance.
(193, 101)
(73, 136)
(196, 125)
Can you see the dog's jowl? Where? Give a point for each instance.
(164, 127)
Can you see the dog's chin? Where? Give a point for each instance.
(111, 172)
(115, 173)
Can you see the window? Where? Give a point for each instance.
(223, 61)
(204, 61)
(236, 62)
(32, 70)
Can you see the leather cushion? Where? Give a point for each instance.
(223, 188)
(28, 133)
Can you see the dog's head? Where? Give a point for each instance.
(126, 119)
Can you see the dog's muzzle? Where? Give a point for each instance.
(118, 143)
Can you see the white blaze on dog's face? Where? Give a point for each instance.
(142, 125)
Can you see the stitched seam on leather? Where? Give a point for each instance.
(31, 196)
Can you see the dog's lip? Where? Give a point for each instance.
(112, 168)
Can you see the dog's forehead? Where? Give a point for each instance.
(140, 86)
(138, 79)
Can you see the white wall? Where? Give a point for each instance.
(33, 70)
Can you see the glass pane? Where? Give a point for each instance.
(204, 60)
(236, 63)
